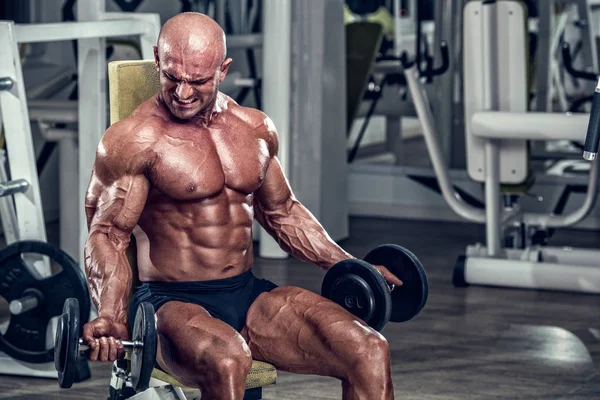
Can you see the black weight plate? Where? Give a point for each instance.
(60, 343)
(25, 337)
(355, 295)
(70, 282)
(66, 346)
(410, 298)
(15, 276)
(368, 274)
(143, 358)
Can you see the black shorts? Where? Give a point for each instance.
(226, 299)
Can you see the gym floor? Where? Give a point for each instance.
(467, 343)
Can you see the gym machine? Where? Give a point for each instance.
(498, 127)
(365, 38)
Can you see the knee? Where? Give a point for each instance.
(232, 365)
(371, 351)
(377, 347)
(226, 363)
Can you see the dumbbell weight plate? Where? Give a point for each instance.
(66, 343)
(359, 288)
(143, 359)
(356, 295)
(410, 298)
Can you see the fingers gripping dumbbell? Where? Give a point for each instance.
(141, 349)
(358, 287)
(128, 345)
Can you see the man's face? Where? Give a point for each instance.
(189, 82)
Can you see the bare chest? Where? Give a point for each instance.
(202, 166)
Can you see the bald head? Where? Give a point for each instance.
(191, 60)
(192, 33)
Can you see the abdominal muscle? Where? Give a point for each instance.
(195, 240)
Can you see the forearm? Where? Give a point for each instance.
(109, 275)
(300, 234)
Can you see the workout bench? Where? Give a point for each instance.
(130, 84)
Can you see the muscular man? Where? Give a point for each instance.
(186, 173)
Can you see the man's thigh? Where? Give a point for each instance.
(190, 339)
(299, 331)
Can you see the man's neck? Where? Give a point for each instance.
(205, 116)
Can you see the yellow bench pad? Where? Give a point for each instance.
(261, 374)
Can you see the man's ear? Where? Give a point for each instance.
(156, 60)
(224, 68)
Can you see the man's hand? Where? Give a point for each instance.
(101, 335)
(389, 277)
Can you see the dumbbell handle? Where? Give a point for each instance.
(128, 345)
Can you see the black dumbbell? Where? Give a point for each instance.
(69, 345)
(357, 286)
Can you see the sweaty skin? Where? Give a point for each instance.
(186, 174)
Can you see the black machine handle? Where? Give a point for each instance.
(568, 62)
(430, 71)
(592, 139)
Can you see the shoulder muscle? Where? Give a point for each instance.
(262, 126)
(125, 149)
